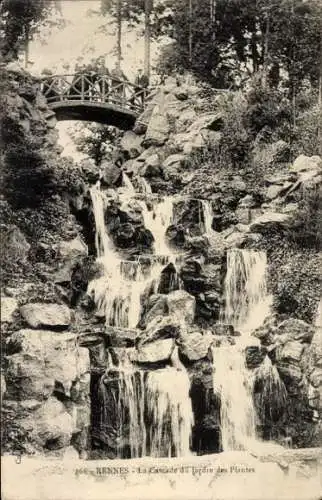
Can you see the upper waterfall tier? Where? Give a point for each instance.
(247, 302)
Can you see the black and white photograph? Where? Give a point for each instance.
(160, 222)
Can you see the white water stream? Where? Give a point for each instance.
(154, 407)
(159, 406)
(246, 307)
(154, 411)
(117, 294)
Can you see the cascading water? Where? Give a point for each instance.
(270, 392)
(153, 409)
(130, 402)
(103, 243)
(207, 216)
(169, 412)
(118, 292)
(247, 305)
(146, 188)
(128, 184)
(157, 218)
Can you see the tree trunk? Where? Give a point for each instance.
(266, 49)
(119, 34)
(147, 37)
(320, 99)
(212, 8)
(190, 32)
(26, 47)
(254, 50)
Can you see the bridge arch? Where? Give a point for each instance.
(94, 97)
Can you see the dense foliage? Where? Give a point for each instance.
(95, 140)
(20, 19)
(228, 40)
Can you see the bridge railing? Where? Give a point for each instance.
(94, 87)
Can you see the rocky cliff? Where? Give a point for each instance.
(55, 336)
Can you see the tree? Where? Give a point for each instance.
(272, 36)
(134, 13)
(148, 5)
(20, 20)
(95, 140)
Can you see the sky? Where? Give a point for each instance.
(81, 37)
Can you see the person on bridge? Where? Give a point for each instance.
(75, 89)
(117, 85)
(141, 85)
(103, 81)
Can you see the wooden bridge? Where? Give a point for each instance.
(94, 97)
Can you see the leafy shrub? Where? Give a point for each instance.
(294, 277)
(28, 179)
(305, 134)
(267, 108)
(306, 229)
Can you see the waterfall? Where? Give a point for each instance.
(247, 304)
(128, 184)
(146, 188)
(271, 398)
(207, 216)
(157, 218)
(169, 412)
(154, 411)
(237, 411)
(117, 294)
(151, 410)
(129, 409)
(103, 243)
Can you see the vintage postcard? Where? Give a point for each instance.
(161, 319)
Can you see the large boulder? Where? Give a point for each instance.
(121, 337)
(152, 166)
(26, 377)
(110, 174)
(72, 249)
(186, 118)
(187, 142)
(195, 346)
(211, 120)
(157, 306)
(38, 315)
(307, 163)
(275, 190)
(173, 165)
(158, 127)
(52, 426)
(290, 351)
(270, 221)
(159, 351)
(40, 360)
(293, 329)
(9, 305)
(160, 328)
(182, 306)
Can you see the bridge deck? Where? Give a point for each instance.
(93, 97)
(108, 114)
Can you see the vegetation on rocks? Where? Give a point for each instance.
(245, 165)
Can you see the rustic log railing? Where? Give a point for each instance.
(94, 88)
